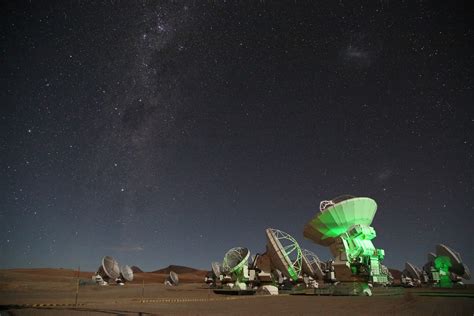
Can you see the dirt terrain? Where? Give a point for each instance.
(52, 292)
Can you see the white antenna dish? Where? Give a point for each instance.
(306, 267)
(311, 264)
(216, 268)
(285, 253)
(126, 273)
(458, 267)
(235, 259)
(109, 270)
(174, 279)
(413, 271)
(443, 250)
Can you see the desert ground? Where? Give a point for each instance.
(53, 292)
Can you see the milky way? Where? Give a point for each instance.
(167, 133)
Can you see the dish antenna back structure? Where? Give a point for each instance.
(285, 253)
(343, 224)
(108, 271)
(448, 266)
(413, 272)
(126, 274)
(215, 274)
(311, 264)
(235, 264)
(457, 266)
(216, 269)
(174, 278)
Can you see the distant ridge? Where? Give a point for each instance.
(136, 269)
(177, 269)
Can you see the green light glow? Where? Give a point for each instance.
(294, 268)
(350, 221)
(291, 252)
(235, 260)
(360, 250)
(345, 214)
(443, 264)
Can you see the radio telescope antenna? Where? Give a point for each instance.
(126, 273)
(452, 261)
(344, 225)
(413, 271)
(236, 264)
(174, 278)
(311, 264)
(108, 271)
(216, 268)
(285, 253)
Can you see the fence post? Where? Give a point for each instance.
(77, 285)
(143, 290)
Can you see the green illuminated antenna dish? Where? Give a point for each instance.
(235, 264)
(285, 253)
(235, 259)
(337, 216)
(457, 266)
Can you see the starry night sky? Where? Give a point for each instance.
(167, 133)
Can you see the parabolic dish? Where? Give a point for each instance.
(413, 271)
(311, 264)
(285, 253)
(216, 268)
(443, 250)
(174, 278)
(235, 259)
(338, 218)
(306, 265)
(458, 267)
(110, 267)
(431, 257)
(126, 273)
